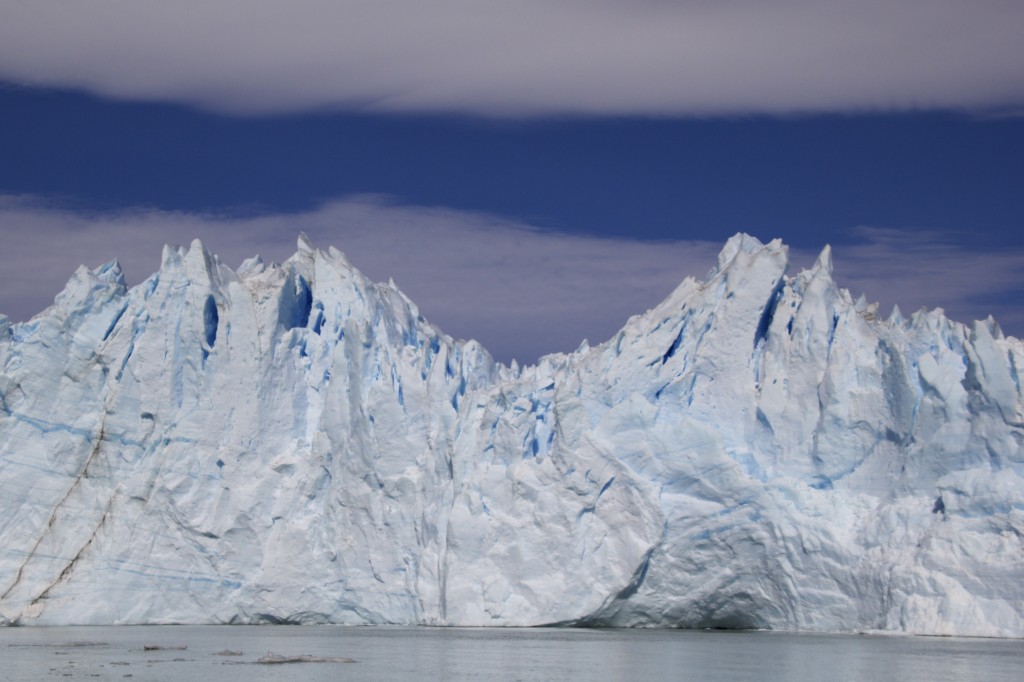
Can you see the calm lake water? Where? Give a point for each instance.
(495, 655)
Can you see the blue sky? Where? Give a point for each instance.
(529, 173)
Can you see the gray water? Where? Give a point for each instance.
(495, 655)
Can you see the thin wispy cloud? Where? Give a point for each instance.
(525, 57)
(521, 291)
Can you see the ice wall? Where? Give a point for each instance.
(294, 443)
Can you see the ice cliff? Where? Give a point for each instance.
(293, 443)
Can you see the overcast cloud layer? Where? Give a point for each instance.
(520, 291)
(525, 57)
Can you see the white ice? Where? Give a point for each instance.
(293, 443)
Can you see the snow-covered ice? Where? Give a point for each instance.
(294, 443)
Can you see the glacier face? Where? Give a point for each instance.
(293, 443)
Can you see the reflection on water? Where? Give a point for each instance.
(229, 653)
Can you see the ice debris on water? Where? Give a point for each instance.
(274, 659)
(294, 444)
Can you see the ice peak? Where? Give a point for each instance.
(201, 265)
(824, 261)
(196, 252)
(170, 257)
(746, 267)
(896, 318)
(251, 266)
(867, 310)
(336, 254)
(87, 289)
(111, 270)
(306, 255)
(738, 243)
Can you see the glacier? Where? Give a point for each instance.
(292, 443)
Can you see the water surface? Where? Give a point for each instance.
(495, 655)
